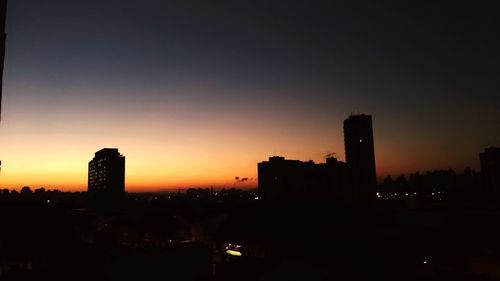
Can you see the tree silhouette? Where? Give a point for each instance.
(26, 190)
(401, 180)
(40, 190)
(388, 181)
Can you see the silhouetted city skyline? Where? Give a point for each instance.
(195, 93)
(350, 183)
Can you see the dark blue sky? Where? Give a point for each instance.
(428, 71)
(385, 49)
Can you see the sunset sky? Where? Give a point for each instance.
(196, 92)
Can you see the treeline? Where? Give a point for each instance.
(440, 185)
(26, 194)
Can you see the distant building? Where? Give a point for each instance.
(107, 172)
(490, 169)
(360, 156)
(351, 182)
(281, 178)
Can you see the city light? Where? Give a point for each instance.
(233, 253)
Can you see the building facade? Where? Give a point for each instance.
(281, 178)
(107, 172)
(360, 156)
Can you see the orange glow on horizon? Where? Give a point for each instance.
(170, 146)
(158, 165)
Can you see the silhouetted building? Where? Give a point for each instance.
(350, 182)
(3, 13)
(490, 169)
(281, 178)
(107, 172)
(360, 156)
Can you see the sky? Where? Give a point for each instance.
(196, 92)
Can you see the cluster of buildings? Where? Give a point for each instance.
(351, 182)
(354, 181)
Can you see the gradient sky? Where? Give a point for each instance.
(196, 92)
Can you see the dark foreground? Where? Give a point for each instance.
(236, 237)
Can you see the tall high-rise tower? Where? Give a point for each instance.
(3, 14)
(360, 156)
